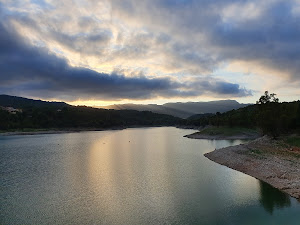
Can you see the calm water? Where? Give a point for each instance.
(133, 176)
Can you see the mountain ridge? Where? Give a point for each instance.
(182, 109)
(21, 102)
(177, 109)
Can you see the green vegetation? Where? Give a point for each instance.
(270, 116)
(24, 130)
(293, 141)
(228, 131)
(48, 115)
(257, 151)
(267, 98)
(19, 102)
(81, 117)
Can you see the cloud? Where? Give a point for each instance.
(193, 37)
(211, 33)
(34, 71)
(217, 87)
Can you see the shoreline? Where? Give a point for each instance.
(265, 159)
(197, 135)
(13, 133)
(213, 133)
(69, 130)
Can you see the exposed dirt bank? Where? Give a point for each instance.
(269, 160)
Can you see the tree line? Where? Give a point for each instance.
(268, 114)
(81, 117)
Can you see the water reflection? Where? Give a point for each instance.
(133, 176)
(271, 198)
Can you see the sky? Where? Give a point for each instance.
(102, 52)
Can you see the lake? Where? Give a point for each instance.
(132, 176)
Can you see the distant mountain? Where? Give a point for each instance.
(183, 109)
(200, 116)
(20, 102)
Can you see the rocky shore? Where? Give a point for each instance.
(271, 161)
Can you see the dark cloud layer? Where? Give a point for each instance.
(33, 71)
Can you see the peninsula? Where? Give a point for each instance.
(272, 161)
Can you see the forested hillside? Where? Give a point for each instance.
(268, 114)
(19, 102)
(40, 114)
(272, 118)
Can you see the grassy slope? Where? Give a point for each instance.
(293, 141)
(227, 131)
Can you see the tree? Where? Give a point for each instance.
(298, 117)
(269, 113)
(266, 98)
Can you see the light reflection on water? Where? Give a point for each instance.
(133, 176)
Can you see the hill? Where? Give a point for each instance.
(272, 118)
(38, 114)
(20, 102)
(183, 109)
